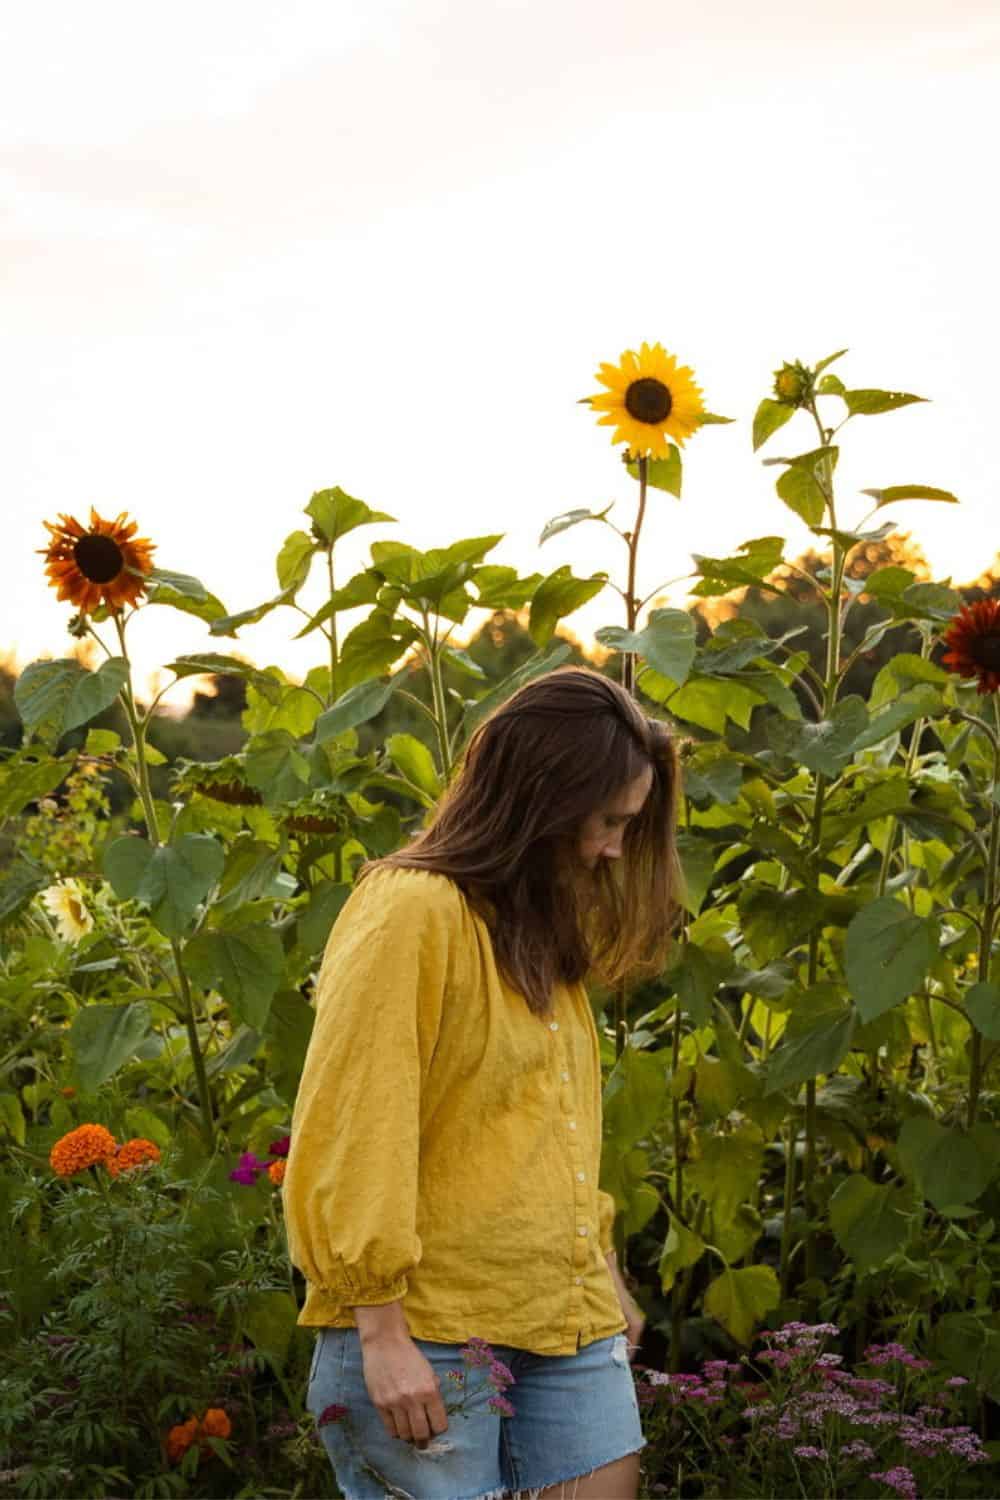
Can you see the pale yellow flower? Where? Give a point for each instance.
(65, 902)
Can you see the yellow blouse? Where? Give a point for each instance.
(446, 1141)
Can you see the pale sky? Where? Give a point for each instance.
(250, 250)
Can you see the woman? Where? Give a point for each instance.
(446, 1139)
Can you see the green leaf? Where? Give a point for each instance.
(713, 777)
(870, 403)
(909, 492)
(570, 518)
(816, 1039)
(557, 596)
(177, 583)
(725, 1169)
(172, 879)
(276, 766)
(202, 606)
(246, 965)
(825, 746)
(888, 952)
(776, 921)
(101, 742)
(372, 647)
(335, 513)
(211, 662)
(12, 1117)
(23, 781)
(682, 1249)
(830, 385)
(667, 643)
(294, 560)
(536, 666)
(770, 415)
(414, 761)
(356, 706)
(635, 1096)
(289, 1029)
(662, 473)
(230, 624)
(923, 701)
(824, 363)
(56, 696)
(804, 486)
(949, 1167)
(22, 878)
(269, 1320)
(501, 588)
(362, 589)
(750, 566)
(740, 1299)
(869, 1221)
(982, 1005)
(697, 858)
(104, 1037)
(325, 904)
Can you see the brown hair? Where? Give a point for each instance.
(559, 749)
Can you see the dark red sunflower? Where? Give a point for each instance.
(973, 641)
(105, 563)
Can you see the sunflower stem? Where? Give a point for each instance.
(332, 637)
(989, 916)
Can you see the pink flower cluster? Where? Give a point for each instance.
(250, 1165)
(899, 1479)
(477, 1354)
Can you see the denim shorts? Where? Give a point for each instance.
(573, 1413)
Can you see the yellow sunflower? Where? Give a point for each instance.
(104, 563)
(65, 902)
(650, 399)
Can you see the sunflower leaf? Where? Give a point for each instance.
(226, 666)
(910, 492)
(818, 369)
(667, 643)
(362, 589)
(662, 473)
(711, 419)
(180, 583)
(335, 513)
(53, 697)
(769, 416)
(230, 624)
(359, 704)
(804, 485)
(295, 559)
(557, 596)
(871, 403)
(570, 518)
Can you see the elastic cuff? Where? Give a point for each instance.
(371, 1293)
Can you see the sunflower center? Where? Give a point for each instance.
(985, 651)
(648, 400)
(99, 558)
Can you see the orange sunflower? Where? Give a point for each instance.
(105, 563)
(973, 641)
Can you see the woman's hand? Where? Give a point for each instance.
(634, 1316)
(401, 1383)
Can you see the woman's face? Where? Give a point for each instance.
(602, 831)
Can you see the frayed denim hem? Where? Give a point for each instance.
(564, 1479)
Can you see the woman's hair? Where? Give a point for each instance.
(559, 749)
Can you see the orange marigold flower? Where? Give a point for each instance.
(276, 1172)
(83, 1147)
(215, 1423)
(104, 563)
(68, 1093)
(973, 639)
(133, 1154)
(180, 1438)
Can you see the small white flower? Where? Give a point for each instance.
(65, 902)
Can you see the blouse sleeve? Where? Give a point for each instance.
(605, 1221)
(350, 1189)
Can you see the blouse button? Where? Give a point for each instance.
(553, 1025)
(572, 1124)
(581, 1176)
(578, 1281)
(582, 1229)
(565, 1077)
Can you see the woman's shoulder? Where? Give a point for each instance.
(410, 891)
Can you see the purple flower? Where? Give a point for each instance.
(899, 1479)
(248, 1168)
(807, 1452)
(500, 1374)
(859, 1449)
(502, 1405)
(956, 1380)
(332, 1413)
(280, 1147)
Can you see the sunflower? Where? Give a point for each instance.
(105, 563)
(973, 641)
(65, 902)
(649, 399)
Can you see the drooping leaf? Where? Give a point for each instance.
(230, 624)
(888, 951)
(362, 589)
(681, 1248)
(416, 763)
(570, 518)
(635, 1096)
(325, 904)
(816, 1039)
(216, 665)
(698, 863)
(740, 1299)
(293, 561)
